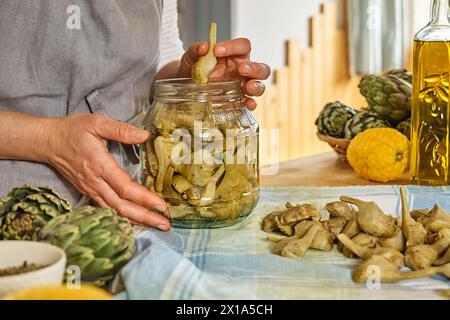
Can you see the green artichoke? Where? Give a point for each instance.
(402, 74)
(27, 209)
(362, 121)
(389, 95)
(332, 119)
(405, 128)
(96, 240)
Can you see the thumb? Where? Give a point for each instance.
(121, 131)
(191, 56)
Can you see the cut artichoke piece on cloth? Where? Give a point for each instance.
(397, 241)
(390, 271)
(439, 219)
(286, 221)
(339, 209)
(335, 226)
(96, 240)
(413, 231)
(322, 241)
(372, 219)
(363, 240)
(424, 256)
(27, 209)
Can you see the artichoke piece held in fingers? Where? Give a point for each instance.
(206, 64)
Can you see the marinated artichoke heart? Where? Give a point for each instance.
(332, 119)
(203, 162)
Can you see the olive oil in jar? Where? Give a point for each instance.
(430, 129)
(430, 121)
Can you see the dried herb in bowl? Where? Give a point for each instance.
(25, 267)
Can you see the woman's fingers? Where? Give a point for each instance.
(235, 47)
(254, 70)
(191, 56)
(120, 131)
(250, 103)
(131, 210)
(254, 88)
(195, 51)
(219, 73)
(127, 189)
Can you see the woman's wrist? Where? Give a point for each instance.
(46, 134)
(25, 137)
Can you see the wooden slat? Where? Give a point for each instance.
(281, 79)
(306, 103)
(329, 39)
(269, 122)
(294, 94)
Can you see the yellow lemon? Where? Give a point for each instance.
(86, 292)
(380, 154)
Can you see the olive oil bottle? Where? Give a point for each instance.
(430, 122)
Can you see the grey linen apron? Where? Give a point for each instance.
(48, 69)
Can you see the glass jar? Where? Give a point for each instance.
(202, 156)
(430, 121)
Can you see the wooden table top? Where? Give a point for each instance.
(321, 170)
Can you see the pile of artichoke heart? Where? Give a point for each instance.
(419, 240)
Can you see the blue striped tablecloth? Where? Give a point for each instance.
(235, 262)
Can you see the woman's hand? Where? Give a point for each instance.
(233, 62)
(76, 146)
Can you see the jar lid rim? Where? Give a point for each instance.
(185, 89)
(188, 82)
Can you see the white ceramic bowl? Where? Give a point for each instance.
(14, 253)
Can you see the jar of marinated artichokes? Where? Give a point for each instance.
(202, 156)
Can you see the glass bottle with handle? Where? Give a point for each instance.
(430, 122)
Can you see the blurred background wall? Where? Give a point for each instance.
(268, 23)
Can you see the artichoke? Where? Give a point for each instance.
(389, 95)
(402, 74)
(405, 128)
(27, 209)
(332, 119)
(362, 121)
(96, 240)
